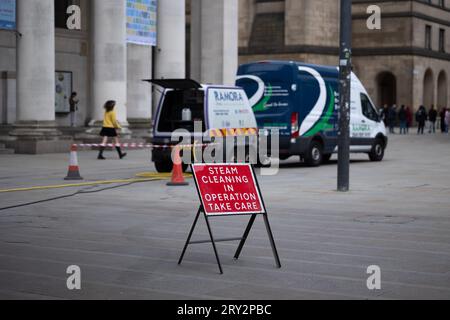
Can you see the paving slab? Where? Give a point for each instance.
(127, 239)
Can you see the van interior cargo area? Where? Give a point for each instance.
(172, 109)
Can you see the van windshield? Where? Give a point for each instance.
(180, 109)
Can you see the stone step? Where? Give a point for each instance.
(3, 150)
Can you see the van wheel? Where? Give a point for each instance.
(377, 152)
(264, 162)
(163, 166)
(314, 156)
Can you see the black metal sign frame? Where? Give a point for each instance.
(241, 240)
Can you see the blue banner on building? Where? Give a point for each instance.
(8, 14)
(141, 22)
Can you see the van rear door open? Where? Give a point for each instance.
(178, 95)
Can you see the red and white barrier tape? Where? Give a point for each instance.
(139, 145)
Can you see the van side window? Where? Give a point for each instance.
(367, 108)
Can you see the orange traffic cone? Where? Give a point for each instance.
(177, 171)
(73, 172)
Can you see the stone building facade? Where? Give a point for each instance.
(103, 65)
(407, 61)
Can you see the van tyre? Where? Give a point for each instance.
(377, 152)
(314, 156)
(163, 166)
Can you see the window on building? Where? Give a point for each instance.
(442, 3)
(61, 15)
(428, 37)
(441, 40)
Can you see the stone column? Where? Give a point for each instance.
(108, 61)
(196, 40)
(139, 93)
(35, 129)
(215, 47)
(170, 56)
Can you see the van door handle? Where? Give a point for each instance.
(363, 121)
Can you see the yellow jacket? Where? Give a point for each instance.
(110, 120)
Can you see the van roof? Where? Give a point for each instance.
(325, 71)
(331, 71)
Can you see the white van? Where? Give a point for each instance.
(224, 111)
(300, 101)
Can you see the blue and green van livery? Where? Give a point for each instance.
(301, 101)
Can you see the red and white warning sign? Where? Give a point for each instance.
(227, 189)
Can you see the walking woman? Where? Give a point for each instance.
(109, 129)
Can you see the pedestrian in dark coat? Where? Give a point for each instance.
(432, 116)
(409, 118)
(392, 118)
(384, 115)
(402, 119)
(442, 116)
(421, 118)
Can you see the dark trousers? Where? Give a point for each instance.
(420, 127)
(403, 128)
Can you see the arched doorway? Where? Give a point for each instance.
(387, 89)
(428, 89)
(442, 90)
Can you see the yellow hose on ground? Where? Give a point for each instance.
(141, 177)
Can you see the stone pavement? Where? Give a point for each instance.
(127, 240)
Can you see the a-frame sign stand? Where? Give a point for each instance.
(241, 240)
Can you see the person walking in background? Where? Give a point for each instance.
(402, 119)
(409, 118)
(421, 118)
(442, 118)
(109, 129)
(73, 103)
(392, 118)
(385, 115)
(447, 120)
(432, 116)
